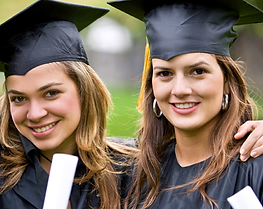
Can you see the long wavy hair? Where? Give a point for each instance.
(90, 136)
(156, 133)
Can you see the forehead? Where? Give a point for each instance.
(38, 76)
(188, 59)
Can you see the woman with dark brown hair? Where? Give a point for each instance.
(194, 98)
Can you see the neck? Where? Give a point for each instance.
(45, 162)
(46, 156)
(42, 155)
(192, 147)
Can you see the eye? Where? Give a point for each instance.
(198, 71)
(17, 99)
(164, 73)
(52, 93)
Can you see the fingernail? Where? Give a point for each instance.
(242, 151)
(243, 157)
(253, 154)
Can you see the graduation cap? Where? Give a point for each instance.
(175, 27)
(46, 31)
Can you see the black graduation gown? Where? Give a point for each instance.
(29, 192)
(235, 178)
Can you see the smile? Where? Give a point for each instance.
(39, 130)
(185, 105)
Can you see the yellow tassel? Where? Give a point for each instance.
(147, 63)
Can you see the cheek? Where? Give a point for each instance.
(68, 105)
(18, 114)
(213, 90)
(160, 89)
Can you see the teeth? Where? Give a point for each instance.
(185, 106)
(38, 130)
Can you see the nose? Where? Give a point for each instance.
(36, 111)
(181, 86)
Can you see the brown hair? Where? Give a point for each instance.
(156, 133)
(90, 137)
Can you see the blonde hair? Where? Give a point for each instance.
(156, 134)
(92, 146)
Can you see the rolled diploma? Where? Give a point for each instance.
(60, 181)
(245, 199)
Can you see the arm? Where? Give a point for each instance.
(253, 146)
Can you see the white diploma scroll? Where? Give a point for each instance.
(60, 181)
(245, 199)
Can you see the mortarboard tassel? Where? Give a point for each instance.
(147, 63)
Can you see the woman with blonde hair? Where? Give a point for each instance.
(54, 102)
(194, 98)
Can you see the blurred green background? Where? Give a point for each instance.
(120, 68)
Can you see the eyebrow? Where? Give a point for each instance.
(40, 89)
(161, 68)
(190, 66)
(199, 63)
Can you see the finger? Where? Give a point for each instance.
(245, 128)
(255, 127)
(244, 158)
(242, 133)
(257, 149)
(253, 146)
(250, 146)
(250, 142)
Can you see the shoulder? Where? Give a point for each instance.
(121, 146)
(122, 153)
(7, 199)
(254, 162)
(252, 165)
(25, 194)
(130, 142)
(250, 171)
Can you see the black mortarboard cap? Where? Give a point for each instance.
(46, 31)
(175, 27)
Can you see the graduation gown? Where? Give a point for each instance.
(29, 192)
(235, 177)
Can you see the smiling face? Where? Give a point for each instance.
(189, 89)
(45, 107)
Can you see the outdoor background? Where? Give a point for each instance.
(115, 47)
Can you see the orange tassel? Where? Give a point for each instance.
(147, 63)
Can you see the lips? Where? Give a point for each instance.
(185, 108)
(44, 128)
(185, 105)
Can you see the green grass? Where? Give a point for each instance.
(123, 120)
